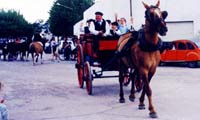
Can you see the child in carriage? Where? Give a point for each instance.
(114, 31)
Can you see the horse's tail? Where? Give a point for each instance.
(31, 48)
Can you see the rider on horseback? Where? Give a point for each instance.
(38, 37)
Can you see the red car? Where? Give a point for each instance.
(182, 51)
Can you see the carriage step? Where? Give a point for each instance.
(106, 76)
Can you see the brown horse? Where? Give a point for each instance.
(36, 49)
(143, 56)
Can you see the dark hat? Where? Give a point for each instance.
(114, 23)
(90, 20)
(99, 13)
(108, 21)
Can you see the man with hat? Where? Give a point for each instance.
(99, 26)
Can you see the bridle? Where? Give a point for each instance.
(156, 20)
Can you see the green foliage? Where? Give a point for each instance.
(64, 16)
(12, 24)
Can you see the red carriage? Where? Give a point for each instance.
(95, 51)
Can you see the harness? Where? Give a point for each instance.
(145, 46)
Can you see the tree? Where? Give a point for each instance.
(64, 14)
(13, 24)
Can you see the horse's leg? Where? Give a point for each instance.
(32, 54)
(142, 76)
(23, 55)
(121, 81)
(127, 77)
(41, 58)
(138, 84)
(133, 77)
(142, 97)
(4, 56)
(36, 55)
(149, 94)
(146, 89)
(27, 56)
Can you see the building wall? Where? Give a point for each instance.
(178, 10)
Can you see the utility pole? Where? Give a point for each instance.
(131, 15)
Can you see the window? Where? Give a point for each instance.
(181, 46)
(190, 46)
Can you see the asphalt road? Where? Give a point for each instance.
(50, 91)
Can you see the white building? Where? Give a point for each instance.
(183, 19)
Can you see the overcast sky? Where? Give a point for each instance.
(30, 9)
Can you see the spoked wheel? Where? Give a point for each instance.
(88, 77)
(79, 65)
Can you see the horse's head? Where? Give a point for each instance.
(155, 18)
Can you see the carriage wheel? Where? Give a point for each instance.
(79, 65)
(88, 77)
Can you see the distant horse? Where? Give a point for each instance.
(3, 49)
(36, 49)
(13, 48)
(144, 55)
(22, 47)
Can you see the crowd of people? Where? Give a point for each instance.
(64, 45)
(102, 27)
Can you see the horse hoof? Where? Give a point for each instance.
(153, 115)
(131, 98)
(121, 100)
(141, 107)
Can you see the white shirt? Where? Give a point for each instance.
(118, 32)
(95, 32)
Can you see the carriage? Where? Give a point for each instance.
(95, 52)
(143, 57)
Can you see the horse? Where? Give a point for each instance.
(21, 47)
(3, 48)
(143, 56)
(36, 49)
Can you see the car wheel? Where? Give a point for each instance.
(192, 64)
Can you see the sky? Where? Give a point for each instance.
(32, 10)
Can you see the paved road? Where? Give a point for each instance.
(50, 92)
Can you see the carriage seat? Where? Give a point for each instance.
(108, 43)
